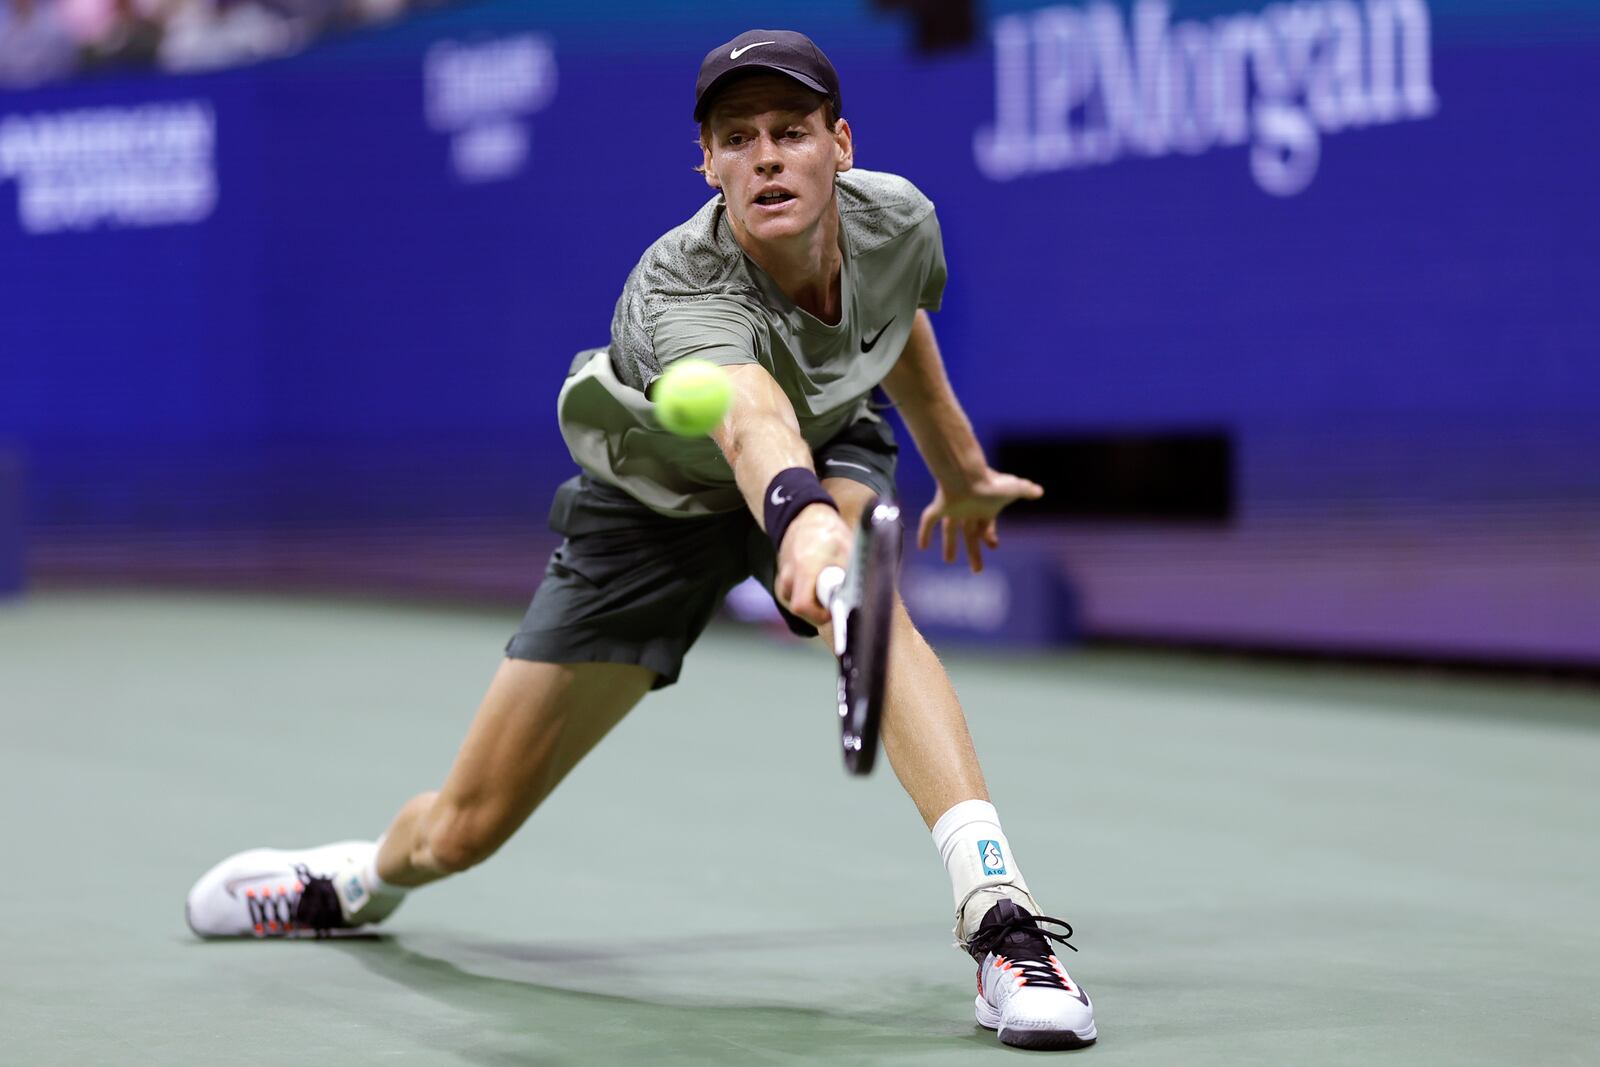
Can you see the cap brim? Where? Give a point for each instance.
(706, 97)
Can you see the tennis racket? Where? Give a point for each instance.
(860, 599)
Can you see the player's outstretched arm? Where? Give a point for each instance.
(971, 493)
(760, 436)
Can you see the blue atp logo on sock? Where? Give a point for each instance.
(993, 861)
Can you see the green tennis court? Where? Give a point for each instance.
(1265, 864)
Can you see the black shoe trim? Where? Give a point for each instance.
(1044, 1040)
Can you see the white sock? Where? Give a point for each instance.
(978, 858)
(365, 897)
(375, 885)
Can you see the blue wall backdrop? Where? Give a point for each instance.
(1358, 236)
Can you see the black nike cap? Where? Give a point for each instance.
(779, 51)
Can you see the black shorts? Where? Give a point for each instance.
(630, 585)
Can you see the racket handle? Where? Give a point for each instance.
(828, 585)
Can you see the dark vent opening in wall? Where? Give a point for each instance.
(941, 25)
(1172, 476)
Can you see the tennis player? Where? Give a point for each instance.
(811, 282)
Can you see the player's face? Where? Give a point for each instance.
(770, 151)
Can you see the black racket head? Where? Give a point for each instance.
(864, 661)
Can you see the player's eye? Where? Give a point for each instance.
(794, 135)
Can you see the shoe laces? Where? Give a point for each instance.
(310, 903)
(1022, 947)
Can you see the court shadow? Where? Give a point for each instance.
(549, 1004)
(877, 938)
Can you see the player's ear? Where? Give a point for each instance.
(705, 167)
(844, 147)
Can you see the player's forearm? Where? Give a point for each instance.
(762, 448)
(760, 436)
(921, 391)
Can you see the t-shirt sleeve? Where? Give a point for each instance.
(718, 331)
(936, 274)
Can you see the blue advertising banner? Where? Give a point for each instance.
(1355, 235)
(1020, 600)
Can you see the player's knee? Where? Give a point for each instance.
(459, 839)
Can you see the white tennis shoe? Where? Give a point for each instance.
(268, 892)
(1023, 991)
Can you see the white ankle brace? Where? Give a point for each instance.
(978, 859)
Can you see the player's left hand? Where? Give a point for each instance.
(969, 512)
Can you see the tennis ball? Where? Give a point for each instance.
(692, 396)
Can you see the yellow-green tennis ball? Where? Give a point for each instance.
(692, 396)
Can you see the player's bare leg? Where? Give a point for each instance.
(1024, 992)
(534, 725)
(924, 730)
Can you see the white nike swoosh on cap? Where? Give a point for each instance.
(737, 52)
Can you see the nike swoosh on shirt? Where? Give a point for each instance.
(866, 346)
(232, 884)
(737, 52)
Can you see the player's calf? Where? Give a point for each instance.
(457, 839)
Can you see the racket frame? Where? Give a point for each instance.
(860, 599)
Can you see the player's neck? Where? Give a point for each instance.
(806, 267)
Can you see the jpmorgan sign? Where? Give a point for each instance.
(1086, 86)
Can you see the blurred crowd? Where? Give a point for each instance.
(45, 40)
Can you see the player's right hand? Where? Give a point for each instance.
(817, 538)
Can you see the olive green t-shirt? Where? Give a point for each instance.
(695, 293)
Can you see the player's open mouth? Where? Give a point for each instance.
(773, 198)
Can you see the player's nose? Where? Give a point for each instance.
(768, 160)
